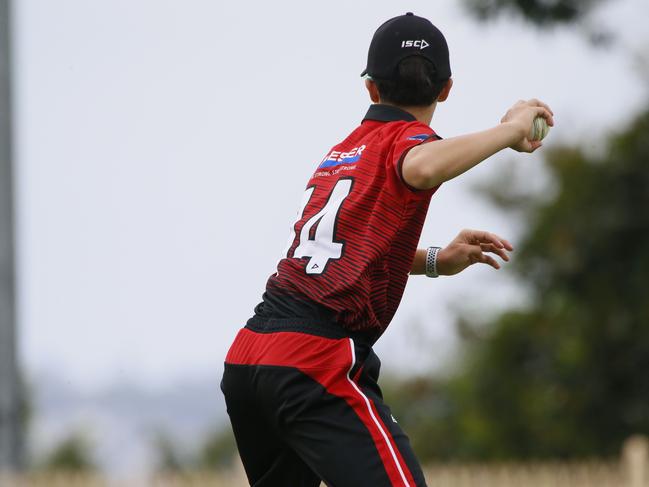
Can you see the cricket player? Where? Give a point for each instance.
(300, 379)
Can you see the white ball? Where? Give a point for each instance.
(539, 129)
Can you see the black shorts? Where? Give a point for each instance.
(305, 406)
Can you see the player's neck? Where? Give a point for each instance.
(422, 114)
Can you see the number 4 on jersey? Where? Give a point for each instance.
(317, 235)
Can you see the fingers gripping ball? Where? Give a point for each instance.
(539, 129)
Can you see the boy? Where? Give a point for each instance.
(300, 379)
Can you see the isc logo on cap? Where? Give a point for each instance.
(422, 44)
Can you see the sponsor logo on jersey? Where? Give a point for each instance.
(419, 137)
(336, 158)
(421, 44)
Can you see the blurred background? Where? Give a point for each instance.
(152, 157)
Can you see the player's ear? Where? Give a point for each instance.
(443, 95)
(373, 90)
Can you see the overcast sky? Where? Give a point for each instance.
(163, 147)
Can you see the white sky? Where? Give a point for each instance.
(163, 147)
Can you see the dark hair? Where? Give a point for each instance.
(415, 84)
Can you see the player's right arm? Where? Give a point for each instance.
(429, 165)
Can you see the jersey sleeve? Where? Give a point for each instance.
(411, 136)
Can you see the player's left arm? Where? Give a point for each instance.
(468, 248)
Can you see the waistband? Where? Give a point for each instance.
(322, 328)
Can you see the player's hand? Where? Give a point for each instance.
(521, 116)
(471, 247)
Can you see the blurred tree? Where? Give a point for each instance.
(169, 459)
(72, 454)
(567, 376)
(218, 450)
(540, 12)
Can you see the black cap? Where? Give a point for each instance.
(402, 37)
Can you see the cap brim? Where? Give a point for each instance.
(364, 73)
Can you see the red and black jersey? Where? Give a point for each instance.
(357, 230)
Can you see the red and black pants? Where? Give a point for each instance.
(305, 406)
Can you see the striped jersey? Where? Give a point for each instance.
(357, 229)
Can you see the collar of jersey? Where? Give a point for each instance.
(388, 113)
